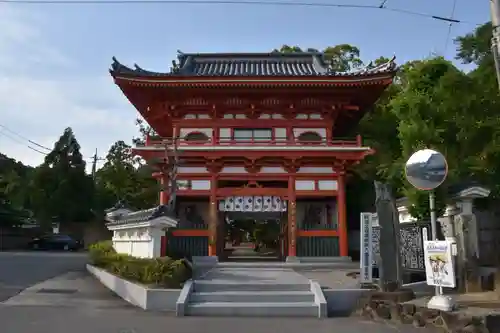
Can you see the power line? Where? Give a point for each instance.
(4, 128)
(448, 34)
(382, 6)
(20, 142)
(23, 137)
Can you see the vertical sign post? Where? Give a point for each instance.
(366, 248)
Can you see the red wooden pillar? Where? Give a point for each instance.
(163, 248)
(213, 218)
(342, 215)
(164, 189)
(163, 201)
(292, 216)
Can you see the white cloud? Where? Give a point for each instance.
(39, 107)
(20, 34)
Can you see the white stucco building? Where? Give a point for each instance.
(139, 233)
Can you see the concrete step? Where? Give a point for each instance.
(269, 264)
(297, 309)
(232, 285)
(289, 265)
(319, 259)
(253, 296)
(256, 258)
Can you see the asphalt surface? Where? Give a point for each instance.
(78, 303)
(19, 270)
(61, 320)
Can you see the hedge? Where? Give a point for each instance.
(158, 272)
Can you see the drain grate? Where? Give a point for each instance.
(56, 291)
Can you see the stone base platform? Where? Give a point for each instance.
(475, 313)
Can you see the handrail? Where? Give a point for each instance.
(276, 141)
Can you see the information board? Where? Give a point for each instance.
(439, 268)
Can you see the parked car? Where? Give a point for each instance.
(55, 242)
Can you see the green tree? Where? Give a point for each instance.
(443, 108)
(14, 183)
(378, 129)
(61, 189)
(121, 179)
(144, 131)
(343, 57)
(474, 49)
(10, 213)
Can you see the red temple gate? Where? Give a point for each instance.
(255, 124)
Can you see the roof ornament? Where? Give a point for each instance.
(120, 204)
(116, 66)
(175, 67)
(116, 212)
(385, 67)
(139, 69)
(330, 63)
(388, 66)
(163, 210)
(181, 57)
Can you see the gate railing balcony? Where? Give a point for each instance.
(276, 141)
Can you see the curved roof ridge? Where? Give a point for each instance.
(248, 54)
(261, 64)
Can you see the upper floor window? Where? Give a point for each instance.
(310, 138)
(253, 134)
(196, 137)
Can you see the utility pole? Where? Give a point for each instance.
(495, 40)
(94, 164)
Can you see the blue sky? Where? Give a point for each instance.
(54, 59)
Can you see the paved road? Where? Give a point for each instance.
(75, 302)
(63, 320)
(19, 270)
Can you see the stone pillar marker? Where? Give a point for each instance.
(461, 225)
(390, 260)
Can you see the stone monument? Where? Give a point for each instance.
(388, 217)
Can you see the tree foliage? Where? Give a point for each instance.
(441, 107)
(432, 104)
(343, 57)
(61, 191)
(10, 213)
(120, 179)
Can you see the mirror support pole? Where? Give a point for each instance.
(432, 208)
(426, 169)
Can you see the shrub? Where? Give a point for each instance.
(160, 272)
(101, 253)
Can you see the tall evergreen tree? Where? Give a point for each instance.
(62, 191)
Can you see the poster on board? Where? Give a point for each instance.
(439, 268)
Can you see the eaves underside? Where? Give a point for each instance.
(256, 81)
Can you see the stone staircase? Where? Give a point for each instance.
(248, 291)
